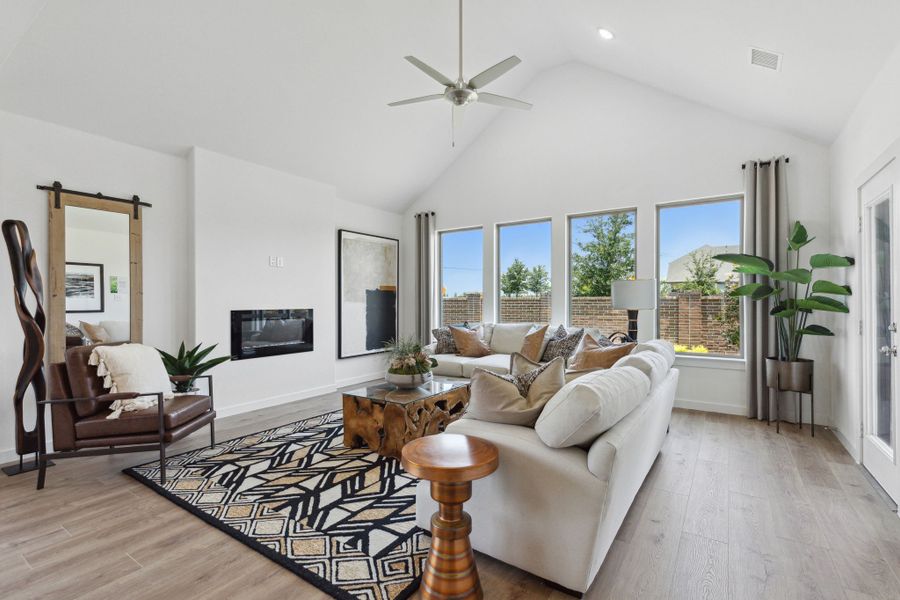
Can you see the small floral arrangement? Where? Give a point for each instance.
(407, 357)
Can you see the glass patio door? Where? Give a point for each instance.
(880, 262)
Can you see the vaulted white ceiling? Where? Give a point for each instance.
(302, 85)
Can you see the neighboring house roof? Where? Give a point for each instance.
(678, 268)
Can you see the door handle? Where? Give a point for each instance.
(888, 350)
(892, 328)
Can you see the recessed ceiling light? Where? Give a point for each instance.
(605, 34)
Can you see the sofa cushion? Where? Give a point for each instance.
(661, 346)
(496, 363)
(509, 337)
(177, 412)
(514, 399)
(653, 364)
(586, 407)
(96, 333)
(593, 355)
(450, 365)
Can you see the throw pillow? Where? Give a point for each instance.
(468, 343)
(95, 333)
(514, 399)
(509, 337)
(520, 364)
(562, 344)
(131, 368)
(588, 406)
(445, 342)
(533, 343)
(594, 356)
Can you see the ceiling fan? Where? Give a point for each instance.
(461, 93)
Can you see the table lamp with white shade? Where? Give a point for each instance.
(634, 295)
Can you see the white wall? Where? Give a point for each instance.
(596, 141)
(34, 152)
(242, 214)
(873, 126)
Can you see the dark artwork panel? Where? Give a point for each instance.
(381, 318)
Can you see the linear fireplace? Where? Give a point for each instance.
(258, 333)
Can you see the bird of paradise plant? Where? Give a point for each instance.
(793, 293)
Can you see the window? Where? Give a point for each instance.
(524, 267)
(695, 311)
(601, 250)
(462, 267)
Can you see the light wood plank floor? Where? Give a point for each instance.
(729, 510)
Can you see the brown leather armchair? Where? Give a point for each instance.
(79, 407)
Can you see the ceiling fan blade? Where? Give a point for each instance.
(503, 101)
(415, 100)
(488, 75)
(431, 72)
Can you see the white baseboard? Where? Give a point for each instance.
(245, 407)
(714, 407)
(850, 448)
(341, 383)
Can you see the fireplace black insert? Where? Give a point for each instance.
(258, 333)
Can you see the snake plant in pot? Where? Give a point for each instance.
(187, 365)
(796, 295)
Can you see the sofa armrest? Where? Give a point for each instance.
(430, 348)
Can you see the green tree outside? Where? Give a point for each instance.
(538, 282)
(606, 257)
(702, 272)
(514, 282)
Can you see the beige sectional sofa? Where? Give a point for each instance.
(554, 512)
(453, 365)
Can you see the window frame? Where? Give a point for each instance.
(497, 271)
(598, 213)
(440, 267)
(660, 206)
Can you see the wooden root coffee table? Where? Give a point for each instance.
(384, 417)
(451, 462)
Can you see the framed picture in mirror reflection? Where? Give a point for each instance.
(84, 287)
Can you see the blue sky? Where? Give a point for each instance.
(681, 230)
(462, 267)
(685, 228)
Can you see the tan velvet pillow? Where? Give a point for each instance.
(594, 356)
(534, 342)
(468, 343)
(514, 399)
(96, 333)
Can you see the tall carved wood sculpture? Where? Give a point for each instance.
(26, 275)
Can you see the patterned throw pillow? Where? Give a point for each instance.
(445, 342)
(514, 399)
(562, 344)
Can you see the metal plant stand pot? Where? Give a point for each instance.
(792, 376)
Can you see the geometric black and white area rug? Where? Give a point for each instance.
(342, 519)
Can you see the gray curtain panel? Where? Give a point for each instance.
(765, 231)
(424, 276)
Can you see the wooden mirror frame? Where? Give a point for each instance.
(56, 292)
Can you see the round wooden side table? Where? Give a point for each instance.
(450, 462)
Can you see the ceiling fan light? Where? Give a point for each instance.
(605, 34)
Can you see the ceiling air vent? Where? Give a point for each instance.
(765, 59)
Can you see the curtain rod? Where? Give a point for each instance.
(59, 189)
(787, 159)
